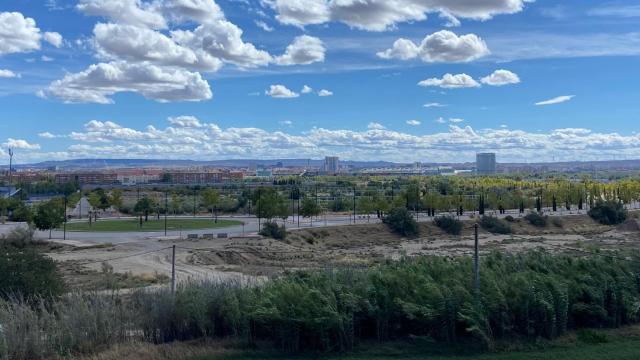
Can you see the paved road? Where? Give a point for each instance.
(250, 226)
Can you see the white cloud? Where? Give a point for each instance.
(325, 92)
(130, 12)
(616, 10)
(413, 122)
(555, 100)
(450, 81)
(281, 91)
(18, 34)
(375, 126)
(8, 74)
(433, 104)
(303, 50)
(202, 11)
(440, 120)
(98, 82)
(286, 122)
(263, 25)
(47, 135)
(185, 121)
(456, 120)
(107, 139)
(306, 89)
(381, 15)
(46, 58)
(131, 43)
(53, 38)
(20, 144)
(441, 46)
(501, 77)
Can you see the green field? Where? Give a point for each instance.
(151, 225)
(621, 349)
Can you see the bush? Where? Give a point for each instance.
(401, 221)
(449, 224)
(19, 237)
(536, 219)
(608, 213)
(273, 230)
(590, 336)
(28, 274)
(509, 218)
(494, 225)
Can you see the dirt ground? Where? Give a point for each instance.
(146, 262)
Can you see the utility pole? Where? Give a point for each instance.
(64, 233)
(354, 204)
(10, 168)
(173, 270)
(166, 210)
(476, 264)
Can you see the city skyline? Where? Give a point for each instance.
(204, 80)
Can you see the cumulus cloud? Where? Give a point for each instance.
(135, 44)
(130, 12)
(381, 15)
(325, 92)
(440, 120)
(441, 46)
(4, 73)
(375, 126)
(19, 34)
(454, 143)
(53, 38)
(281, 91)
(456, 120)
(98, 82)
(306, 89)
(176, 40)
(185, 121)
(555, 100)
(47, 135)
(450, 81)
(303, 50)
(20, 144)
(500, 78)
(413, 122)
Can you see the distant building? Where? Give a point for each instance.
(84, 178)
(264, 172)
(331, 165)
(486, 163)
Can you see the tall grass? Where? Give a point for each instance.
(530, 295)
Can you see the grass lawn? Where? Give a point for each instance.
(151, 225)
(618, 349)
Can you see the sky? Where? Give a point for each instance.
(395, 80)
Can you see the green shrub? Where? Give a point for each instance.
(19, 237)
(608, 213)
(494, 225)
(273, 230)
(590, 336)
(536, 219)
(401, 221)
(28, 274)
(449, 224)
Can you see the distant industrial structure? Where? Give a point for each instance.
(331, 165)
(486, 163)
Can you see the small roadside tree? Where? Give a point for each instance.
(309, 208)
(49, 215)
(210, 199)
(143, 207)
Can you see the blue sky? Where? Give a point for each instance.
(198, 79)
